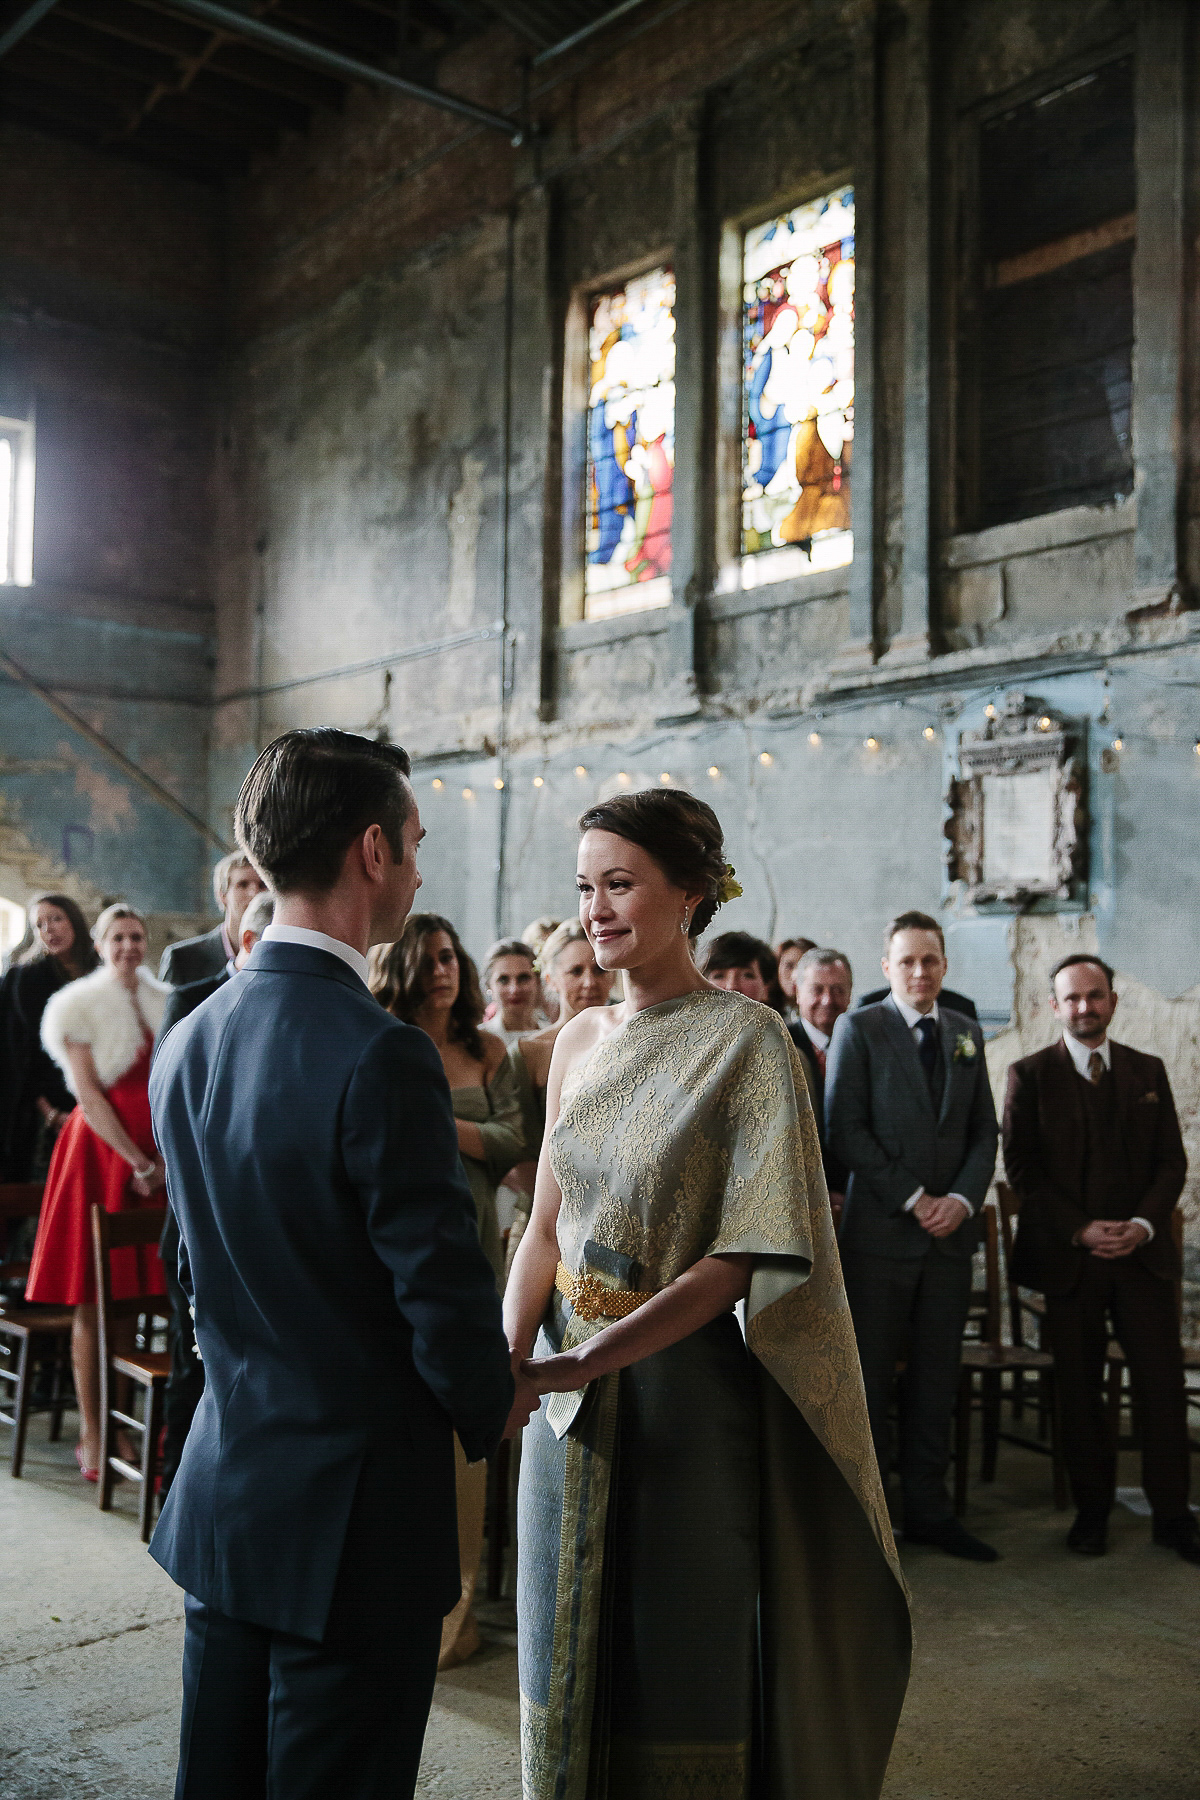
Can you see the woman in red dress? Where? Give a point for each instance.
(100, 1031)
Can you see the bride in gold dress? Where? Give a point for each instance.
(709, 1603)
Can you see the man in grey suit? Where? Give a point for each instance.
(909, 1111)
(235, 883)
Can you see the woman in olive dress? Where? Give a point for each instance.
(709, 1600)
(427, 978)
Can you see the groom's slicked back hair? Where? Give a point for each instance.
(307, 798)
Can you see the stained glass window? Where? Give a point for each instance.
(798, 381)
(631, 445)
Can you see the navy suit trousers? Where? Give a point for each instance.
(268, 1715)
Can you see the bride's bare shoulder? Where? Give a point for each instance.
(580, 1035)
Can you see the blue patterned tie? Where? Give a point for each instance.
(926, 1030)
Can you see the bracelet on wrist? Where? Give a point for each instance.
(144, 1174)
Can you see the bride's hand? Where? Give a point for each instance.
(554, 1374)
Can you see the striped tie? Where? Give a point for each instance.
(1095, 1067)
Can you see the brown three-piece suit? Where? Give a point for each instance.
(1075, 1151)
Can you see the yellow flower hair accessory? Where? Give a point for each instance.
(730, 889)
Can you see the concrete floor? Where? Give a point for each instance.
(1044, 1676)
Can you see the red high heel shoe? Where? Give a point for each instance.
(88, 1474)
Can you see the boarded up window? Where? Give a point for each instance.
(1055, 324)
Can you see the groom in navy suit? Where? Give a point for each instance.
(346, 1314)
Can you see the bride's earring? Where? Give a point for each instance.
(684, 926)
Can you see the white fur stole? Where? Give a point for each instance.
(97, 1011)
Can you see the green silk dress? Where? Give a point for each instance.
(709, 1600)
(496, 1109)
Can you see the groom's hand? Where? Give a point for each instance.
(559, 1374)
(526, 1401)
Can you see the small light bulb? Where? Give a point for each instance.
(497, 783)
(438, 783)
(871, 743)
(579, 769)
(664, 777)
(538, 782)
(1045, 723)
(714, 771)
(765, 758)
(623, 778)
(989, 712)
(1196, 746)
(930, 733)
(814, 738)
(1118, 743)
(468, 793)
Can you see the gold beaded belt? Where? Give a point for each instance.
(592, 1298)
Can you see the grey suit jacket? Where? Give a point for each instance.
(194, 959)
(880, 1122)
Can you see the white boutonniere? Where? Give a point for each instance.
(965, 1050)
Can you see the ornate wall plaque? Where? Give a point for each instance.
(1017, 825)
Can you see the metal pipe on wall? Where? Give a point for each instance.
(133, 770)
(506, 670)
(286, 43)
(26, 22)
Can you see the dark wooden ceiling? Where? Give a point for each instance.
(139, 78)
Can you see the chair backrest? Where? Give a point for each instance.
(992, 1333)
(120, 1231)
(1008, 1203)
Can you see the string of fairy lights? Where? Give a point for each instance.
(818, 737)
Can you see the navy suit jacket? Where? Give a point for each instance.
(881, 1122)
(347, 1316)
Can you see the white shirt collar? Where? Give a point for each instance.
(819, 1038)
(1081, 1054)
(912, 1018)
(318, 940)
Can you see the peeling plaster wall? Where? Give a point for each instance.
(109, 292)
(362, 482)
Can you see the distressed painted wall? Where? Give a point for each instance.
(109, 296)
(364, 483)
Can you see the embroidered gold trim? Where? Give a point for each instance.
(591, 1298)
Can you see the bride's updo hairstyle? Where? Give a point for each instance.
(681, 833)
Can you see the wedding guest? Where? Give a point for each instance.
(743, 964)
(570, 971)
(235, 883)
(34, 1097)
(100, 1031)
(680, 1476)
(185, 1384)
(535, 935)
(348, 1319)
(909, 1111)
(1093, 1149)
(787, 955)
(511, 985)
(823, 986)
(426, 978)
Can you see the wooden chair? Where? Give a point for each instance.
(991, 1359)
(31, 1337)
(145, 1368)
(1026, 1311)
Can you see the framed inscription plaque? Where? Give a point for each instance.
(1017, 824)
